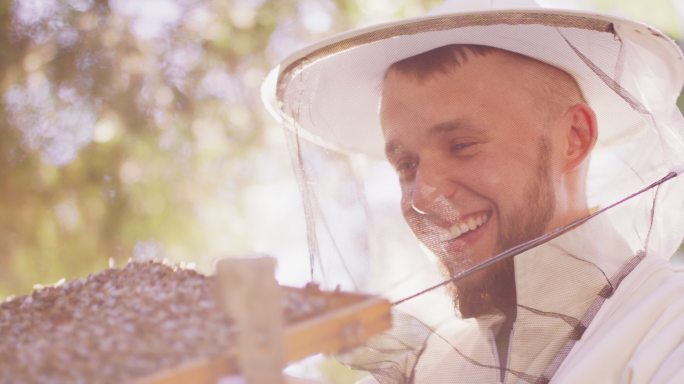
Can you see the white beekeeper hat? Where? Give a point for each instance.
(337, 81)
(630, 73)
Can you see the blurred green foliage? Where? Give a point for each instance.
(125, 124)
(126, 127)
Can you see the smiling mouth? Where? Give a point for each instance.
(465, 226)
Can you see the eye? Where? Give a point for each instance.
(405, 167)
(456, 147)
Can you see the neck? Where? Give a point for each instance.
(490, 291)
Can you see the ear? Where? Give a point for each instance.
(580, 134)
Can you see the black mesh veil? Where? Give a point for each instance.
(510, 226)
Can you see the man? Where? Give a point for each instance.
(490, 116)
(444, 125)
(453, 112)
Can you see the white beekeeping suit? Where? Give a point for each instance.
(536, 156)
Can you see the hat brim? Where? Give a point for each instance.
(330, 91)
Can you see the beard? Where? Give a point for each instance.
(493, 289)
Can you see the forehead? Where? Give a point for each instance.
(493, 97)
(492, 82)
(476, 82)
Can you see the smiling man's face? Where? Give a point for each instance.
(474, 152)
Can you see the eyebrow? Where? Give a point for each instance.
(393, 146)
(448, 126)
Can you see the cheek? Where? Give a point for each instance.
(497, 177)
(487, 177)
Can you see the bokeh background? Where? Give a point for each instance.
(134, 129)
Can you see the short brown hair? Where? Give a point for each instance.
(438, 61)
(554, 88)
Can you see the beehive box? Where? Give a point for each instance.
(153, 323)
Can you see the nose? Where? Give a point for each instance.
(432, 188)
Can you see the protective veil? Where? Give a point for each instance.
(592, 298)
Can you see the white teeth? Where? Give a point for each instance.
(471, 224)
(455, 231)
(461, 228)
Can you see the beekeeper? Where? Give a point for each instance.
(537, 152)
